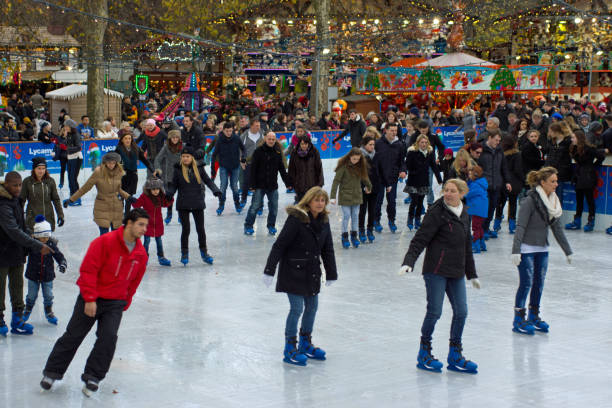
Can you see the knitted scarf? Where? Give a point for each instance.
(551, 202)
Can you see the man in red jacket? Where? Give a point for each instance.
(110, 274)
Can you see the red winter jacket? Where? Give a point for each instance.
(110, 271)
(156, 221)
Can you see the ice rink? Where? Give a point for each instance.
(212, 336)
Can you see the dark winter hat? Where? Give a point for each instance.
(154, 183)
(262, 114)
(39, 161)
(586, 116)
(70, 123)
(414, 110)
(111, 156)
(187, 150)
(557, 115)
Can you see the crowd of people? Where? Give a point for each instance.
(523, 152)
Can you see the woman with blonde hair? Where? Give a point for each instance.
(462, 165)
(372, 132)
(108, 206)
(540, 211)
(187, 182)
(445, 234)
(304, 242)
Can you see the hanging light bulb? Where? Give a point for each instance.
(376, 21)
(325, 51)
(577, 20)
(420, 21)
(363, 22)
(259, 21)
(436, 21)
(375, 59)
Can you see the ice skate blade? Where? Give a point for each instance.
(459, 370)
(87, 392)
(311, 357)
(430, 369)
(541, 330)
(297, 363)
(21, 332)
(528, 333)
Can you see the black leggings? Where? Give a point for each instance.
(63, 163)
(416, 206)
(198, 219)
(589, 194)
(129, 184)
(368, 205)
(512, 198)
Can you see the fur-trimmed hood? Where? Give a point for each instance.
(4, 193)
(414, 149)
(303, 215)
(511, 152)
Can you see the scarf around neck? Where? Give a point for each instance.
(552, 203)
(367, 154)
(153, 133)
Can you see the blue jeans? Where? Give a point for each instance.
(454, 288)
(47, 291)
(257, 204)
(301, 304)
(532, 271)
(391, 195)
(224, 174)
(430, 196)
(105, 230)
(74, 167)
(158, 242)
(352, 212)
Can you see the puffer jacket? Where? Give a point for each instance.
(108, 207)
(477, 199)
(533, 223)
(448, 241)
(558, 157)
(41, 197)
(300, 249)
(15, 239)
(494, 167)
(191, 195)
(349, 183)
(156, 220)
(165, 161)
(306, 172)
(41, 267)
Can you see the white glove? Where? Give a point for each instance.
(516, 259)
(475, 283)
(267, 280)
(329, 282)
(404, 269)
(569, 259)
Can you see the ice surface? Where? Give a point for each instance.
(212, 336)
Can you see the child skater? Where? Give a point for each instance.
(302, 244)
(152, 199)
(446, 164)
(351, 173)
(41, 271)
(419, 159)
(477, 202)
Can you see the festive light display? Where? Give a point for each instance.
(141, 84)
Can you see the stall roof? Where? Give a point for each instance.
(74, 91)
(453, 60)
(70, 76)
(17, 36)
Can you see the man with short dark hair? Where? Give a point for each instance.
(84, 129)
(15, 239)
(109, 276)
(501, 112)
(356, 127)
(230, 154)
(250, 138)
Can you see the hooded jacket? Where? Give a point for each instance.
(156, 220)
(585, 173)
(448, 241)
(356, 128)
(41, 197)
(108, 207)
(306, 172)
(14, 237)
(558, 157)
(229, 151)
(477, 199)
(514, 163)
(494, 167)
(418, 165)
(110, 271)
(191, 195)
(41, 268)
(249, 144)
(532, 158)
(351, 186)
(165, 161)
(194, 138)
(391, 160)
(302, 245)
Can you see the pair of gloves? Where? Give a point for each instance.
(407, 269)
(267, 280)
(62, 267)
(516, 259)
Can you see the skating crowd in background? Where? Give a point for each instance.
(523, 153)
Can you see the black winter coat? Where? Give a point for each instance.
(418, 166)
(532, 157)
(300, 248)
(40, 267)
(434, 141)
(14, 236)
(194, 138)
(229, 151)
(373, 173)
(306, 172)
(191, 196)
(515, 170)
(73, 142)
(448, 241)
(494, 167)
(558, 157)
(585, 173)
(391, 160)
(266, 164)
(152, 145)
(356, 128)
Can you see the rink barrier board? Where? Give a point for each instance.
(18, 156)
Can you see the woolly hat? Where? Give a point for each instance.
(263, 114)
(38, 161)
(414, 110)
(150, 122)
(71, 123)
(557, 115)
(42, 228)
(187, 150)
(585, 115)
(111, 156)
(174, 132)
(154, 183)
(448, 150)
(27, 120)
